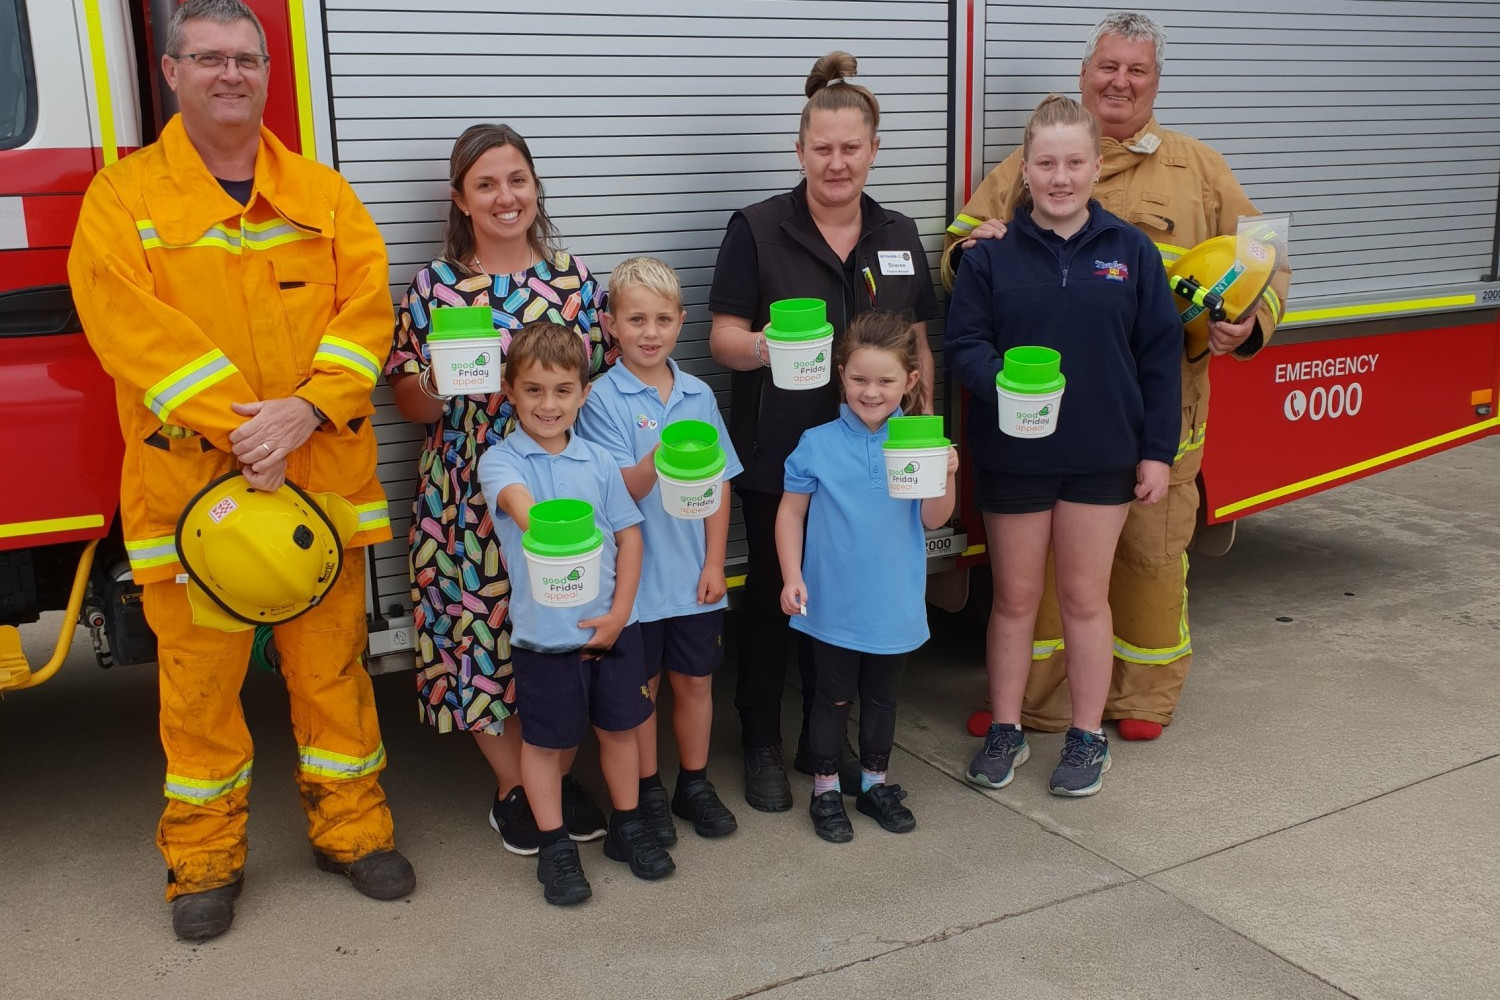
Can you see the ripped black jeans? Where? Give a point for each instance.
(842, 676)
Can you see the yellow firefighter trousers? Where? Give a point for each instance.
(208, 746)
(1148, 599)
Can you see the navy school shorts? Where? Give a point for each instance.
(688, 644)
(560, 695)
(1006, 493)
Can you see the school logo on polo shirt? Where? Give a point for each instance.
(1111, 270)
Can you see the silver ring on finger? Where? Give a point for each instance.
(267, 446)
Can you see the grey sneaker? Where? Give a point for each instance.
(1085, 758)
(1005, 749)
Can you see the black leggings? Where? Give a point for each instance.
(764, 636)
(843, 675)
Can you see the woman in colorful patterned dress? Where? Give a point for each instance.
(500, 250)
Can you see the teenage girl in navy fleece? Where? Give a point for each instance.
(1070, 276)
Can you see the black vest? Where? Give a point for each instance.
(794, 261)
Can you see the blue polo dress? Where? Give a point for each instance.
(582, 471)
(864, 553)
(625, 417)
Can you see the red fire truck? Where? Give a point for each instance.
(652, 121)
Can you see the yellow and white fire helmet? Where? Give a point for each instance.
(257, 558)
(1220, 278)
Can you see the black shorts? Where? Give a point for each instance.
(688, 644)
(1005, 493)
(559, 695)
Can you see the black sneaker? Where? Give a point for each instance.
(882, 803)
(561, 874)
(1085, 758)
(657, 815)
(632, 842)
(849, 769)
(698, 802)
(198, 916)
(511, 818)
(829, 819)
(766, 787)
(581, 816)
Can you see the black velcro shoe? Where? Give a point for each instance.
(560, 871)
(381, 875)
(582, 817)
(657, 816)
(198, 916)
(766, 787)
(830, 822)
(631, 842)
(698, 803)
(882, 803)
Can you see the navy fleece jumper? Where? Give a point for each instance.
(1099, 298)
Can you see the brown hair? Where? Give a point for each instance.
(476, 140)
(655, 276)
(827, 91)
(549, 346)
(884, 330)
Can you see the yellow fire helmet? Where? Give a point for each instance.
(257, 558)
(1220, 278)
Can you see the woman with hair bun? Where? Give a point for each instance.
(825, 239)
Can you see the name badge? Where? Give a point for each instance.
(896, 262)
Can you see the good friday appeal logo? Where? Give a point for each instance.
(1038, 421)
(813, 370)
(903, 478)
(564, 588)
(469, 373)
(696, 503)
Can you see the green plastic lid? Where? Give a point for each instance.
(562, 527)
(462, 323)
(690, 450)
(794, 320)
(915, 432)
(1031, 370)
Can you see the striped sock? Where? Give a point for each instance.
(825, 783)
(869, 779)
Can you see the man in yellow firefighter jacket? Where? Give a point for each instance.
(1179, 192)
(237, 293)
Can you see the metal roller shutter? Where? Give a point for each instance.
(650, 123)
(1376, 123)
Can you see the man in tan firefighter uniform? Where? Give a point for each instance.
(237, 294)
(1179, 192)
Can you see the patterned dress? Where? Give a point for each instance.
(460, 590)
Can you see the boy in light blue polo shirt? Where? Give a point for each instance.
(580, 665)
(681, 600)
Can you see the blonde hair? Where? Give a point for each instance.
(1055, 109)
(884, 330)
(655, 276)
(827, 91)
(547, 345)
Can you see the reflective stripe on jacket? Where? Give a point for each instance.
(193, 302)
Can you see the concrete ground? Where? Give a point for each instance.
(1322, 821)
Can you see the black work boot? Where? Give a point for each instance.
(766, 787)
(381, 875)
(198, 916)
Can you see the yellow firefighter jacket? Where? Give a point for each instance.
(193, 302)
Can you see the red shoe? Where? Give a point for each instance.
(979, 722)
(1139, 729)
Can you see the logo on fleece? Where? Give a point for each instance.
(1111, 270)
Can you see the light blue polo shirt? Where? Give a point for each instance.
(864, 555)
(582, 471)
(626, 416)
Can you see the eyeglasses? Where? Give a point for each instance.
(248, 62)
